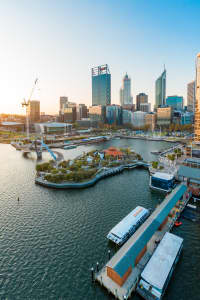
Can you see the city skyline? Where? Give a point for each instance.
(55, 52)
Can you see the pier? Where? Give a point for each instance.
(121, 273)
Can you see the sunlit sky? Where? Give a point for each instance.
(59, 41)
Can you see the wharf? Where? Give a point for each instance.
(129, 286)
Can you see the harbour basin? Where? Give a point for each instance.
(51, 238)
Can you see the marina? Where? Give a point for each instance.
(72, 227)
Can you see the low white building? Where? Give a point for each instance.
(52, 127)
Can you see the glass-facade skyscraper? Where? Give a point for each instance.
(197, 103)
(175, 101)
(160, 90)
(191, 96)
(125, 92)
(101, 85)
(114, 114)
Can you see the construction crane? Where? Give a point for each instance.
(26, 104)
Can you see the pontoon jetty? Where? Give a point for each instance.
(126, 227)
(121, 274)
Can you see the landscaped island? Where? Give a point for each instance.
(86, 169)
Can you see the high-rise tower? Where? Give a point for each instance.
(191, 96)
(125, 92)
(141, 98)
(160, 90)
(101, 85)
(197, 102)
(34, 111)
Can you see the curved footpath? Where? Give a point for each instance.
(76, 185)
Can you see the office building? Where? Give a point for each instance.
(87, 123)
(113, 115)
(81, 111)
(191, 96)
(130, 107)
(63, 103)
(127, 117)
(160, 90)
(125, 92)
(145, 107)
(139, 119)
(164, 115)
(47, 118)
(101, 85)
(34, 111)
(97, 113)
(69, 114)
(182, 118)
(150, 120)
(197, 102)
(186, 118)
(176, 118)
(175, 101)
(141, 98)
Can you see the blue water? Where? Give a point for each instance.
(51, 238)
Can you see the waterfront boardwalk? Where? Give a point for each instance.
(129, 286)
(105, 172)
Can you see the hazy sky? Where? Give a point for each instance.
(59, 41)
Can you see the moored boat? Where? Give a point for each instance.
(70, 147)
(127, 226)
(158, 271)
(177, 223)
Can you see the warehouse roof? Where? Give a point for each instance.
(191, 173)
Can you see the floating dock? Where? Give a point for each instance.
(121, 274)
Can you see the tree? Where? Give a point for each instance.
(44, 167)
(139, 157)
(64, 164)
(177, 127)
(171, 127)
(171, 157)
(155, 164)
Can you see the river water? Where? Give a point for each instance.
(51, 238)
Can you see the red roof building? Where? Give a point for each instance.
(112, 151)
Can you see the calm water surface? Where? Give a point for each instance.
(50, 240)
